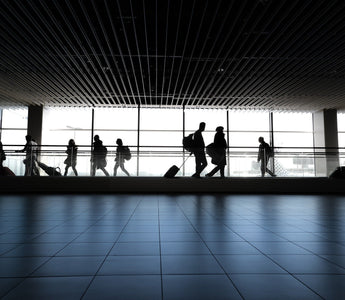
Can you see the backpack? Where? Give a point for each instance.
(188, 142)
(127, 155)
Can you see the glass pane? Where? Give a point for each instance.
(161, 119)
(15, 118)
(287, 139)
(293, 122)
(116, 118)
(341, 121)
(248, 120)
(60, 125)
(212, 117)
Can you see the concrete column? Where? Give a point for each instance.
(35, 116)
(326, 136)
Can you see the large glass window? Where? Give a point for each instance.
(341, 137)
(14, 124)
(293, 142)
(59, 126)
(213, 118)
(117, 123)
(245, 127)
(160, 140)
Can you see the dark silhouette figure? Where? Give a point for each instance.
(4, 171)
(71, 160)
(2, 154)
(120, 157)
(199, 151)
(31, 150)
(98, 156)
(263, 157)
(219, 159)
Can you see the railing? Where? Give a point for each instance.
(156, 160)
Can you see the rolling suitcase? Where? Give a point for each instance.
(174, 169)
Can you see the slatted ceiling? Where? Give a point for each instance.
(271, 55)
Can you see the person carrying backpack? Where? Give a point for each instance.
(219, 152)
(122, 154)
(98, 156)
(264, 154)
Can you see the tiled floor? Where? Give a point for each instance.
(172, 247)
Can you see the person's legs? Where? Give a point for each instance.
(105, 171)
(75, 170)
(197, 164)
(214, 171)
(222, 167)
(116, 167)
(263, 168)
(93, 168)
(269, 171)
(66, 170)
(122, 166)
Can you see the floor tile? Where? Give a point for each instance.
(55, 238)
(221, 237)
(231, 248)
(272, 287)
(7, 247)
(97, 237)
(323, 248)
(19, 266)
(139, 237)
(133, 248)
(176, 228)
(70, 266)
(6, 284)
(175, 248)
(261, 237)
(279, 248)
(190, 264)
(131, 265)
(180, 237)
(303, 264)
(86, 249)
(141, 228)
(143, 287)
(37, 249)
(259, 264)
(336, 259)
(330, 287)
(201, 287)
(52, 288)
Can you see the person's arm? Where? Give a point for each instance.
(24, 149)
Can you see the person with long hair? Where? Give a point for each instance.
(71, 160)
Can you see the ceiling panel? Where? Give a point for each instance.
(271, 55)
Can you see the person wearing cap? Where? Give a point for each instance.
(220, 146)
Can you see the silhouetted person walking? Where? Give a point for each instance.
(98, 156)
(120, 157)
(264, 155)
(220, 146)
(71, 160)
(31, 150)
(199, 151)
(2, 154)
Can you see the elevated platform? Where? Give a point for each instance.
(85, 185)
